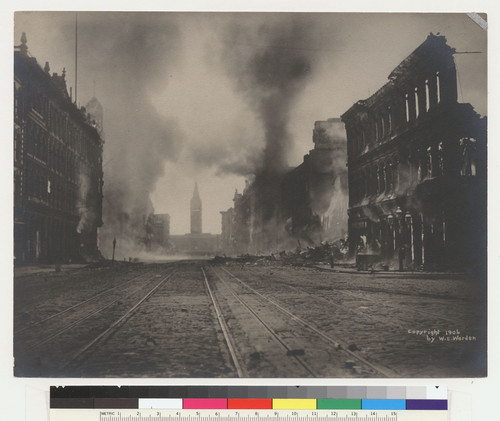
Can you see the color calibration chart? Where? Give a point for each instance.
(248, 403)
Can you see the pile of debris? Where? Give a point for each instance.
(326, 252)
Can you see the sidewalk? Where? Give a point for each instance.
(340, 268)
(36, 269)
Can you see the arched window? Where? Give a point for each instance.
(427, 96)
(438, 88)
(419, 167)
(381, 174)
(388, 176)
(395, 174)
(468, 153)
(428, 163)
(417, 108)
(440, 158)
(407, 102)
(376, 180)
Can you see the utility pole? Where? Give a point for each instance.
(76, 58)
(114, 246)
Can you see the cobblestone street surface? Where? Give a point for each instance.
(199, 319)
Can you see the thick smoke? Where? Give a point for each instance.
(129, 56)
(84, 212)
(271, 65)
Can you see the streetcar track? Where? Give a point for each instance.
(378, 302)
(34, 324)
(362, 297)
(118, 323)
(78, 321)
(268, 328)
(58, 331)
(330, 302)
(225, 330)
(339, 344)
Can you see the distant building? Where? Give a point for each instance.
(58, 175)
(159, 227)
(196, 243)
(196, 227)
(235, 225)
(227, 238)
(417, 168)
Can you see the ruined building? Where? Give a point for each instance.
(58, 176)
(308, 203)
(417, 168)
(235, 225)
(315, 192)
(227, 236)
(158, 231)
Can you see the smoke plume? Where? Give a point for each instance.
(270, 65)
(129, 56)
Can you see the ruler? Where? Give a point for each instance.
(245, 415)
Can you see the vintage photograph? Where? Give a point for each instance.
(254, 195)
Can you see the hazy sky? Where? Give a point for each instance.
(183, 102)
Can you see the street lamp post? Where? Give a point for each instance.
(409, 225)
(401, 247)
(390, 221)
(114, 245)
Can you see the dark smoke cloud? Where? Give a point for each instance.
(225, 158)
(129, 56)
(271, 64)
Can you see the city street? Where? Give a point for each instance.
(201, 319)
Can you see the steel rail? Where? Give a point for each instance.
(268, 328)
(351, 293)
(77, 322)
(336, 342)
(414, 310)
(78, 304)
(117, 323)
(225, 330)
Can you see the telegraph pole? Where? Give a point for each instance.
(76, 58)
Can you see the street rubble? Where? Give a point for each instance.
(310, 256)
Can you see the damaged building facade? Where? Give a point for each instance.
(301, 207)
(58, 176)
(417, 168)
(157, 230)
(235, 225)
(314, 194)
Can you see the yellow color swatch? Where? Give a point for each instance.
(294, 403)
